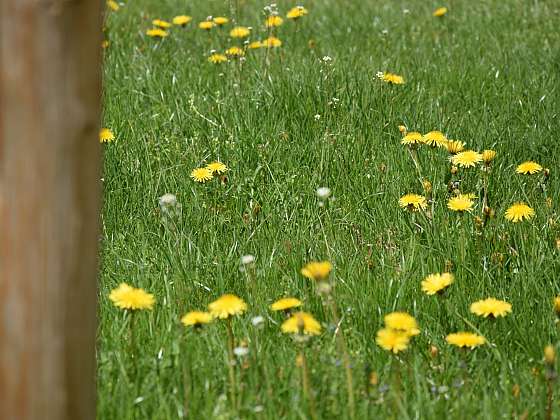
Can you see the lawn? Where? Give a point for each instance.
(311, 113)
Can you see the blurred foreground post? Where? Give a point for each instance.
(49, 201)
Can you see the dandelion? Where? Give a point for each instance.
(435, 138)
(519, 211)
(240, 32)
(217, 58)
(301, 323)
(413, 202)
(392, 340)
(181, 20)
(412, 138)
(317, 270)
(247, 259)
(323, 193)
(455, 146)
(273, 21)
(491, 308)
(391, 78)
(196, 319)
(550, 376)
(296, 12)
(113, 5)
(227, 306)
(235, 52)
(440, 11)
(255, 45)
(488, 156)
(402, 322)
(285, 304)
(465, 339)
(169, 206)
(557, 305)
(220, 20)
(460, 204)
(436, 283)
(201, 175)
(161, 23)
(466, 159)
(106, 135)
(402, 129)
(272, 42)
(529, 168)
(217, 168)
(128, 297)
(206, 25)
(157, 33)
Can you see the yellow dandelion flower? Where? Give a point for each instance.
(301, 323)
(196, 319)
(217, 58)
(440, 11)
(550, 356)
(220, 20)
(402, 322)
(113, 5)
(529, 168)
(392, 340)
(296, 12)
(273, 21)
(156, 33)
(466, 159)
(488, 156)
(226, 306)
(235, 52)
(491, 308)
(455, 146)
(161, 23)
(128, 297)
(240, 32)
(557, 305)
(105, 44)
(461, 203)
(435, 138)
(519, 211)
(255, 45)
(413, 202)
(285, 304)
(206, 25)
(217, 167)
(181, 20)
(272, 42)
(201, 175)
(106, 135)
(317, 270)
(436, 283)
(391, 78)
(465, 339)
(413, 137)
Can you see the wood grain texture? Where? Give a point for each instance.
(49, 207)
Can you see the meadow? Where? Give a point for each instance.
(310, 127)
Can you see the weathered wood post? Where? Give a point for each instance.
(49, 206)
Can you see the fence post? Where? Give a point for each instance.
(49, 207)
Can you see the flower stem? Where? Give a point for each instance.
(231, 363)
(306, 384)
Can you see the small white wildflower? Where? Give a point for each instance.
(241, 351)
(379, 75)
(406, 11)
(257, 321)
(247, 259)
(323, 193)
(326, 59)
(258, 409)
(317, 117)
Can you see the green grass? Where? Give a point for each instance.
(487, 74)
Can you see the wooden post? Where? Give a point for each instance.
(49, 207)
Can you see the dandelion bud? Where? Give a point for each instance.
(402, 129)
(454, 170)
(557, 305)
(448, 266)
(558, 243)
(488, 156)
(299, 360)
(434, 351)
(382, 168)
(373, 379)
(550, 355)
(546, 173)
(489, 212)
(515, 391)
(427, 186)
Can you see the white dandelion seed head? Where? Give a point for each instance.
(247, 259)
(323, 193)
(241, 351)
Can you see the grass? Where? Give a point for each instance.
(286, 122)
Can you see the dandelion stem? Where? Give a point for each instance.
(414, 156)
(306, 384)
(186, 380)
(231, 363)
